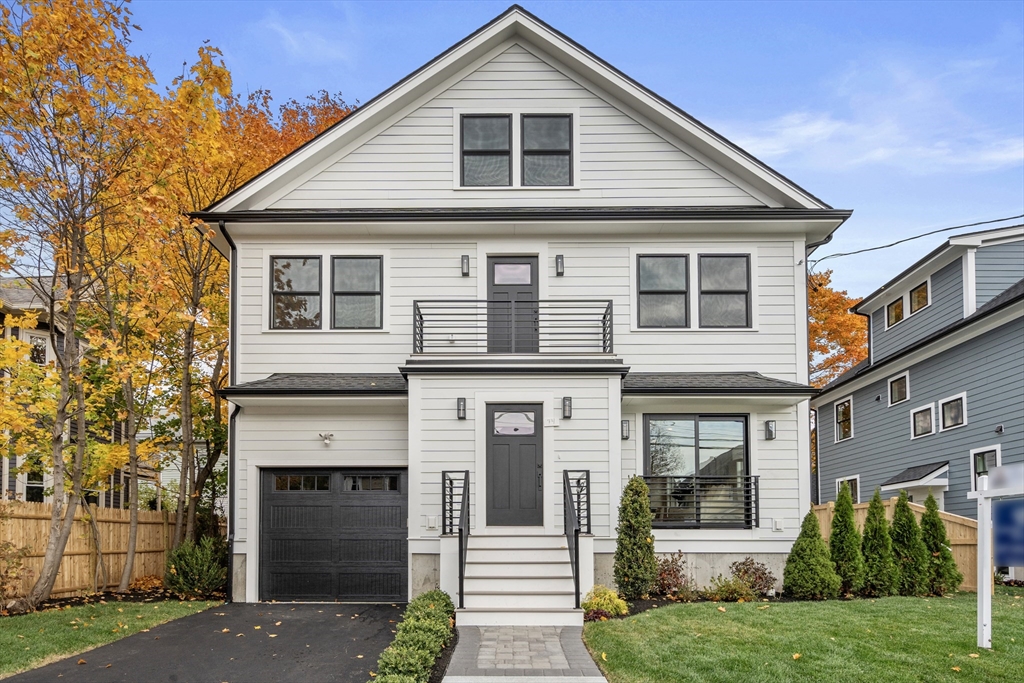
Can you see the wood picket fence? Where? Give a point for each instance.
(28, 526)
(962, 533)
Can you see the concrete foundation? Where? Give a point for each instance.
(425, 573)
(702, 567)
(604, 569)
(238, 577)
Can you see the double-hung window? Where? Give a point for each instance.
(724, 290)
(844, 419)
(295, 292)
(662, 290)
(486, 150)
(34, 487)
(357, 290)
(547, 150)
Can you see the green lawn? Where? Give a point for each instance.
(890, 640)
(32, 640)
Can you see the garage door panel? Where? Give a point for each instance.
(372, 550)
(368, 585)
(299, 584)
(363, 516)
(291, 516)
(301, 549)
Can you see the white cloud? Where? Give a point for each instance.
(314, 40)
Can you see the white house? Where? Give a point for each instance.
(520, 264)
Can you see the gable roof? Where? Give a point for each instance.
(516, 22)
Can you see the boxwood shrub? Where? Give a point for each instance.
(425, 630)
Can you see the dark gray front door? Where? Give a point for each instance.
(513, 320)
(332, 534)
(515, 465)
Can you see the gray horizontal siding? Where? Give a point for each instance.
(997, 268)
(946, 308)
(990, 368)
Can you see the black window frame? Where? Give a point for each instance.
(359, 475)
(379, 292)
(745, 417)
(463, 152)
(523, 152)
(319, 293)
(906, 388)
(836, 422)
(36, 485)
(927, 297)
(316, 475)
(930, 408)
(941, 414)
(903, 312)
(749, 292)
(686, 293)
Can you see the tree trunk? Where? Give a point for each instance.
(187, 439)
(212, 455)
(133, 486)
(100, 578)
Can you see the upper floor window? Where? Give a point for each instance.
(854, 484)
(894, 312)
(547, 150)
(724, 290)
(357, 290)
(295, 292)
(953, 412)
(899, 389)
(37, 352)
(922, 421)
(486, 150)
(993, 458)
(844, 419)
(918, 298)
(662, 299)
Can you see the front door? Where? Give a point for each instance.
(513, 320)
(515, 465)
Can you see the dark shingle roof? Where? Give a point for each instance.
(709, 383)
(914, 473)
(316, 383)
(16, 293)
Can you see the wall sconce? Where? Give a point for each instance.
(625, 430)
(465, 265)
(460, 408)
(769, 430)
(567, 407)
(559, 265)
(327, 438)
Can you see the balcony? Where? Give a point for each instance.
(703, 502)
(561, 326)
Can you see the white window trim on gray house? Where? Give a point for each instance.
(906, 299)
(998, 448)
(963, 406)
(930, 407)
(856, 478)
(835, 418)
(903, 375)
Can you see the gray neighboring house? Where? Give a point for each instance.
(944, 379)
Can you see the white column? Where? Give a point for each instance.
(984, 564)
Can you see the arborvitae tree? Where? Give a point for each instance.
(909, 550)
(809, 574)
(943, 575)
(635, 566)
(879, 566)
(844, 544)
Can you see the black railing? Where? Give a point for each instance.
(455, 496)
(575, 504)
(550, 326)
(704, 502)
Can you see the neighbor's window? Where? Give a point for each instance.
(295, 292)
(844, 419)
(487, 150)
(991, 456)
(922, 421)
(854, 488)
(898, 389)
(547, 149)
(662, 299)
(724, 290)
(953, 411)
(356, 285)
(302, 482)
(918, 297)
(34, 486)
(37, 354)
(894, 312)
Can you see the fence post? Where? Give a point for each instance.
(92, 548)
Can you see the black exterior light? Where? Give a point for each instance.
(769, 430)
(567, 407)
(460, 408)
(465, 265)
(625, 430)
(559, 265)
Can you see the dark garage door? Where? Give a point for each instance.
(333, 535)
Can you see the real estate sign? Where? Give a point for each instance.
(1008, 532)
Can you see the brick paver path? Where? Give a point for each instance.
(529, 653)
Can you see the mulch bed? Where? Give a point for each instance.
(441, 664)
(133, 594)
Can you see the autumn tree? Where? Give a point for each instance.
(838, 338)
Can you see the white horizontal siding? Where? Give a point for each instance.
(412, 163)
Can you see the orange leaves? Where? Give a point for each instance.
(838, 338)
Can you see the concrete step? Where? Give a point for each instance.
(519, 585)
(517, 554)
(508, 541)
(526, 601)
(553, 570)
(472, 616)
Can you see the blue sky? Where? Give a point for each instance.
(909, 113)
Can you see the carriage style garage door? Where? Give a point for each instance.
(333, 535)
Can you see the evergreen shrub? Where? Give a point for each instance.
(198, 570)
(909, 551)
(425, 630)
(809, 574)
(844, 544)
(636, 568)
(943, 574)
(879, 565)
(603, 598)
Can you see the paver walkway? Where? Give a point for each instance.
(532, 654)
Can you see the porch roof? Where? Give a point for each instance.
(706, 383)
(917, 474)
(322, 384)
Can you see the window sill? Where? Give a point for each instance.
(515, 188)
(899, 403)
(328, 331)
(949, 429)
(849, 438)
(920, 436)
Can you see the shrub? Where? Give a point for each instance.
(732, 589)
(394, 678)
(844, 544)
(908, 549)
(423, 633)
(672, 576)
(809, 574)
(943, 575)
(879, 566)
(596, 615)
(635, 566)
(603, 598)
(754, 574)
(405, 660)
(197, 570)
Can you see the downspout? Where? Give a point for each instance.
(232, 358)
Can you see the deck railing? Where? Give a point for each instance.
(455, 517)
(705, 502)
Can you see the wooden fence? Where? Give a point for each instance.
(29, 525)
(962, 533)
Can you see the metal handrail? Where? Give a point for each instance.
(705, 502)
(455, 486)
(574, 501)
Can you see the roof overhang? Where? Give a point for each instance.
(316, 400)
(937, 479)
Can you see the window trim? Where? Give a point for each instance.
(696, 435)
(749, 290)
(271, 292)
(906, 375)
(571, 152)
(640, 292)
(905, 297)
(998, 448)
(380, 292)
(854, 477)
(927, 406)
(963, 397)
(835, 418)
(484, 152)
(30, 336)
(910, 297)
(901, 300)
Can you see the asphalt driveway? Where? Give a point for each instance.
(242, 643)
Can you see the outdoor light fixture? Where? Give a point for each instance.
(460, 408)
(999, 429)
(327, 438)
(769, 430)
(559, 265)
(567, 407)
(980, 466)
(625, 430)
(465, 265)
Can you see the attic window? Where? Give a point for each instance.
(894, 312)
(487, 150)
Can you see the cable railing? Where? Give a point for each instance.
(575, 508)
(455, 517)
(705, 502)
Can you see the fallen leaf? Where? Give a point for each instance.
(277, 623)
(974, 655)
(956, 668)
(225, 630)
(81, 661)
(108, 666)
(762, 607)
(359, 656)
(721, 609)
(741, 600)
(796, 655)
(272, 635)
(257, 627)
(240, 635)
(373, 675)
(119, 609)
(604, 656)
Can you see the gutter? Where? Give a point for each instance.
(753, 391)
(232, 361)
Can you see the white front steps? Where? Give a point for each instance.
(514, 580)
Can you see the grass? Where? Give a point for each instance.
(889, 639)
(31, 640)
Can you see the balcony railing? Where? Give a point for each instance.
(701, 502)
(552, 326)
